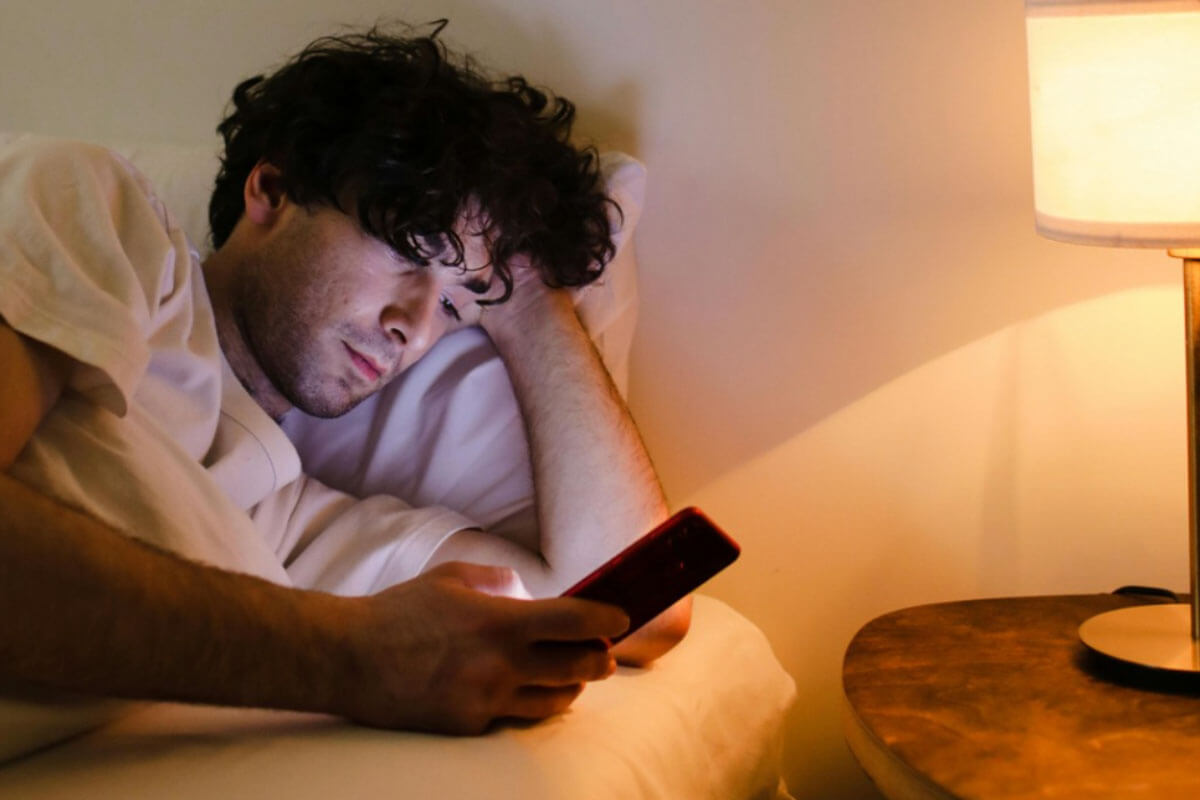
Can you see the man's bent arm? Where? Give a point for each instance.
(596, 488)
(85, 608)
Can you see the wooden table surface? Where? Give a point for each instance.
(999, 699)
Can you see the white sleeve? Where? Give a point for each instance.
(333, 542)
(87, 258)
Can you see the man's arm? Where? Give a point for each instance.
(32, 376)
(596, 489)
(87, 609)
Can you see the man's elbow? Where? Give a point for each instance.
(657, 636)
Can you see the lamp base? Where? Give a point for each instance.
(1157, 636)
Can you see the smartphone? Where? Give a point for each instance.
(659, 569)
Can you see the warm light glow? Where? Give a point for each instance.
(1115, 108)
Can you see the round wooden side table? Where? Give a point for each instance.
(999, 699)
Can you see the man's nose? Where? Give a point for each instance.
(410, 316)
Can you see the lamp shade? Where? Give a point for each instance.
(1115, 109)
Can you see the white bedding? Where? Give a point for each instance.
(704, 722)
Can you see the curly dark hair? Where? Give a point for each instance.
(415, 137)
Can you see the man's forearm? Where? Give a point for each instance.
(87, 609)
(596, 489)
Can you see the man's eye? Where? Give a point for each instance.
(450, 310)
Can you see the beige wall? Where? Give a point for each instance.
(854, 352)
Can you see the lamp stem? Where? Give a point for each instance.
(1191, 300)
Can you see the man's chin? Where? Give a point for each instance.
(327, 407)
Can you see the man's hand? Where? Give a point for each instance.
(523, 312)
(442, 653)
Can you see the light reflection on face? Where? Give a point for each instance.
(331, 314)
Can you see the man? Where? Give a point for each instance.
(373, 196)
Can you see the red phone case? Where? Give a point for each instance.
(659, 569)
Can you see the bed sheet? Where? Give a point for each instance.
(705, 721)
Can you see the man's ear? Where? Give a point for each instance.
(263, 194)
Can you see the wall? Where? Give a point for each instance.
(854, 352)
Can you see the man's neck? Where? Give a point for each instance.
(217, 271)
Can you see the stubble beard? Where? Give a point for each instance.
(286, 348)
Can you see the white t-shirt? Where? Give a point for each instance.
(91, 264)
(154, 435)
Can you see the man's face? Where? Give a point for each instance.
(331, 314)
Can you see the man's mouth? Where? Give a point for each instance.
(365, 365)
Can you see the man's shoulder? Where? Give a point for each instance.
(37, 158)
(37, 147)
(72, 185)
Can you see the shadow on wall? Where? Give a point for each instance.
(849, 203)
(723, 372)
(1045, 458)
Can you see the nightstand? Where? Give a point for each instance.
(999, 699)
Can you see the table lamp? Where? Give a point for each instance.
(1115, 109)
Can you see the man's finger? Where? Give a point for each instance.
(568, 619)
(539, 702)
(565, 664)
(496, 581)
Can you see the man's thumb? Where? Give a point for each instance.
(496, 581)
